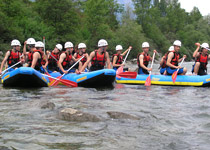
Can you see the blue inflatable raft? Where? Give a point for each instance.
(24, 77)
(99, 78)
(181, 80)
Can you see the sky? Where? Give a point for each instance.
(203, 5)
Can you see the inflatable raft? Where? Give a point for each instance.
(181, 80)
(24, 77)
(99, 78)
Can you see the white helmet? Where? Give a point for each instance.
(39, 44)
(68, 45)
(119, 48)
(81, 45)
(205, 45)
(145, 44)
(177, 43)
(31, 41)
(171, 48)
(59, 46)
(102, 42)
(15, 43)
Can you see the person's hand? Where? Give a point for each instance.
(77, 72)
(122, 65)
(155, 51)
(149, 69)
(44, 67)
(197, 44)
(185, 56)
(65, 71)
(25, 42)
(130, 47)
(164, 57)
(178, 67)
(22, 60)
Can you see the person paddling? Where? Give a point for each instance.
(37, 57)
(117, 59)
(163, 61)
(30, 44)
(173, 60)
(82, 52)
(12, 56)
(143, 59)
(98, 58)
(201, 59)
(66, 59)
(53, 58)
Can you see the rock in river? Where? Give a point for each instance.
(70, 114)
(121, 115)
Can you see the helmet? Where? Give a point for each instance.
(118, 48)
(31, 41)
(102, 42)
(205, 45)
(81, 45)
(171, 48)
(68, 45)
(39, 44)
(59, 46)
(145, 44)
(15, 43)
(177, 43)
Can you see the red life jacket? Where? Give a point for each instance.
(98, 61)
(203, 60)
(84, 59)
(175, 59)
(146, 59)
(51, 61)
(66, 62)
(119, 58)
(39, 61)
(13, 58)
(30, 58)
(164, 61)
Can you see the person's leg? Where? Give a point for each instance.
(196, 67)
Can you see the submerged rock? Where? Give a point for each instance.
(70, 114)
(121, 115)
(48, 105)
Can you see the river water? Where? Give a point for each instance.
(171, 118)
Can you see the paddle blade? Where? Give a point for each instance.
(68, 83)
(127, 74)
(55, 82)
(119, 70)
(148, 81)
(174, 75)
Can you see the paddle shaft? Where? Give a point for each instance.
(44, 44)
(153, 57)
(180, 64)
(53, 57)
(126, 56)
(72, 66)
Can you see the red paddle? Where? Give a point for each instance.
(148, 80)
(174, 75)
(59, 78)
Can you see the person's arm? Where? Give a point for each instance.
(108, 61)
(123, 54)
(196, 53)
(162, 60)
(92, 54)
(141, 58)
(24, 48)
(61, 59)
(4, 60)
(168, 63)
(36, 56)
(46, 61)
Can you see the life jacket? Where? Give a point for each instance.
(30, 58)
(98, 61)
(164, 61)
(52, 63)
(66, 62)
(119, 58)
(175, 59)
(145, 61)
(39, 61)
(13, 58)
(84, 59)
(203, 60)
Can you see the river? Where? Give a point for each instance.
(171, 118)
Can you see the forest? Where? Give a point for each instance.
(159, 22)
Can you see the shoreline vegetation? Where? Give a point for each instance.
(158, 22)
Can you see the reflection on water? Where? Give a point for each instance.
(170, 118)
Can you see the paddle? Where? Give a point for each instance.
(3, 72)
(57, 81)
(148, 80)
(174, 75)
(120, 73)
